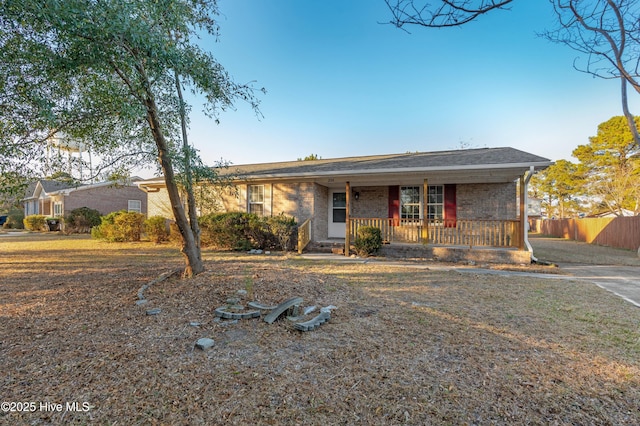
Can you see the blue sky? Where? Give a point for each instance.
(339, 83)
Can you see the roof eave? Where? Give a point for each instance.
(395, 171)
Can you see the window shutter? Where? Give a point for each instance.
(450, 206)
(394, 204)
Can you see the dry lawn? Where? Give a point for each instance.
(561, 251)
(405, 346)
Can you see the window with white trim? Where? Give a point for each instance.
(411, 202)
(255, 197)
(57, 209)
(134, 206)
(435, 203)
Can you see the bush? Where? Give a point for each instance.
(368, 241)
(156, 229)
(15, 219)
(81, 220)
(106, 229)
(245, 231)
(226, 231)
(174, 233)
(120, 226)
(130, 225)
(283, 228)
(35, 222)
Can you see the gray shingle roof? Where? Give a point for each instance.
(440, 160)
(48, 186)
(52, 185)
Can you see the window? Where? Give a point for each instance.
(411, 203)
(57, 209)
(134, 206)
(435, 204)
(256, 199)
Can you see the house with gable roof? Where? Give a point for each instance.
(450, 203)
(56, 199)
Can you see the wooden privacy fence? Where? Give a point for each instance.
(620, 232)
(493, 233)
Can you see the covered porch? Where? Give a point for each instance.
(450, 234)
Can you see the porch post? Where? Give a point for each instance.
(347, 234)
(523, 216)
(425, 212)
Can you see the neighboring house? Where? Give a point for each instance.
(56, 199)
(460, 198)
(534, 212)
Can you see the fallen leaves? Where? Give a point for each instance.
(404, 346)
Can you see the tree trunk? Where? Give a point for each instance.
(191, 199)
(190, 248)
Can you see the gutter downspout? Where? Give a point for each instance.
(526, 217)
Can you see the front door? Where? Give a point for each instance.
(337, 214)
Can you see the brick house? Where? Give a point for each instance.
(445, 202)
(56, 199)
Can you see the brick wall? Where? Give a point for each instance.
(320, 225)
(302, 200)
(299, 200)
(474, 201)
(309, 200)
(373, 201)
(105, 199)
(487, 201)
(293, 199)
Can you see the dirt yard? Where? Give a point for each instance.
(404, 346)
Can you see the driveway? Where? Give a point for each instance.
(615, 270)
(623, 281)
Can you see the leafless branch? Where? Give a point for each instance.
(445, 13)
(607, 32)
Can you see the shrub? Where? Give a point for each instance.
(257, 232)
(244, 231)
(120, 226)
(35, 222)
(156, 229)
(368, 240)
(15, 219)
(227, 231)
(283, 228)
(129, 225)
(106, 230)
(81, 220)
(174, 234)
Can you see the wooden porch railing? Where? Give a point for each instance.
(491, 233)
(304, 235)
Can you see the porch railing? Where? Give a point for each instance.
(304, 235)
(492, 233)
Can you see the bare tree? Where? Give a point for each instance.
(607, 31)
(445, 13)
